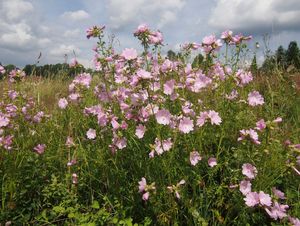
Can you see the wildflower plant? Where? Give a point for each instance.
(138, 116)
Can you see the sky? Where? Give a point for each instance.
(57, 27)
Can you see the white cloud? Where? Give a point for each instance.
(156, 11)
(18, 35)
(253, 15)
(72, 33)
(62, 49)
(15, 9)
(76, 15)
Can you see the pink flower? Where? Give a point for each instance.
(72, 162)
(156, 38)
(62, 103)
(233, 95)
(277, 120)
(4, 121)
(167, 144)
(202, 118)
(254, 99)
(279, 194)
(144, 74)
(144, 188)
(140, 131)
(74, 178)
(176, 188)
(94, 31)
(160, 147)
(251, 199)
(244, 77)
(261, 125)
(195, 158)
(2, 69)
(264, 199)
(169, 87)
(142, 184)
(163, 117)
(186, 125)
(145, 196)
(215, 119)
(209, 40)
(129, 54)
(212, 162)
(91, 134)
(142, 28)
(245, 187)
(12, 94)
(251, 133)
(249, 171)
(83, 79)
(294, 221)
(40, 148)
(277, 211)
(70, 142)
(226, 35)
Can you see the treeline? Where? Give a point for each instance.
(50, 70)
(283, 59)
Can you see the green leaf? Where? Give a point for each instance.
(95, 205)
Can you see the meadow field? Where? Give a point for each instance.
(147, 140)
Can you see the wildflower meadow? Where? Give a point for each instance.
(148, 140)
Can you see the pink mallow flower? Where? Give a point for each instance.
(163, 117)
(251, 199)
(186, 125)
(40, 148)
(2, 69)
(279, 194)
(144, 74)
(254, 99)
(129, 54)
(140, 131)
(264, 199)
(212, 162)
(249, 171)
(277, 211)
(261, 125)
(4, 121)
(245, 187)
(214, 117)
(146, 189)
(176, 188)
(62, 103)
(91, 134)
(195, 158)
(251, 134)
(74, 178)
(294, 221)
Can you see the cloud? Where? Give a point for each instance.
(72, 33)
(138, 11)
(63, 49)
(76, 15)
(15, 9)
(256, 16)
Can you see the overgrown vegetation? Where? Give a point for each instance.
(151, 141)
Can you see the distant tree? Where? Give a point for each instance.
(253, 66)
(28, 69)
(172, 55)
(198, 60)
(293, 55)
(281, 57)
(9, 67)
